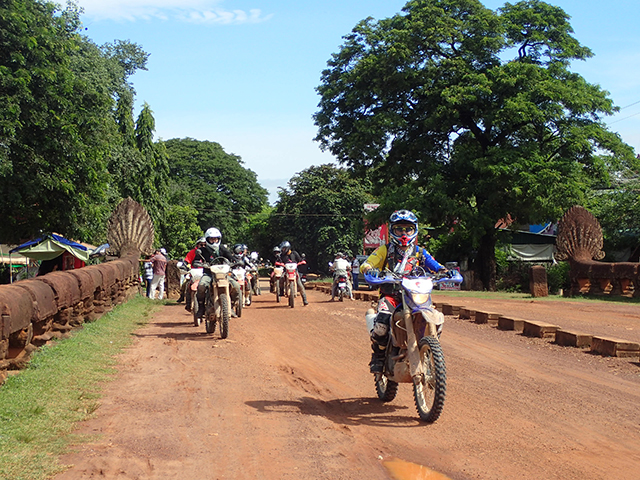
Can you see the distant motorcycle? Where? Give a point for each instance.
(277, 280)
(342, 287)
(239, 273)
(414, 354)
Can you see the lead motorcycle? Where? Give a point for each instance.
(291, 282)
(414, 354)
(217, 298)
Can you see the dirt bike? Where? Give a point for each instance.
(254, 280)
(195, 274)
(291, 282)
(277, 277)
(217, 298)
(239, 273)
(414, 355)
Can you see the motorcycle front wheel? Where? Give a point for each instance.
(430, 392)
(385, 388)
(278, 291)
(194, 309)
(292, 294)
(209, 314)
(225, 313)
(239, 304)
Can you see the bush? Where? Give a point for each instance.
(558, 277)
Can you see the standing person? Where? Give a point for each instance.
(287, 255)
(403, 231)
(159, 262)
(148, 275)
(355, 271)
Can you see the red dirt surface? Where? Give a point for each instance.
(288, 396)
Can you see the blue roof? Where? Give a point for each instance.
(53, 236)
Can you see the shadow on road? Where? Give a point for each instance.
(348, 411)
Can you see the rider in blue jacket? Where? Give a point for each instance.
(403, 231)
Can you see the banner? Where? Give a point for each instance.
(374, 238)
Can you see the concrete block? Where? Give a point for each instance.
(567, 338)
(448, 309)
(487, 317)
(508, 323)
(467, 314)
(539, 329)
(615, 347)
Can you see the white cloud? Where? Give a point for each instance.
(192, 11)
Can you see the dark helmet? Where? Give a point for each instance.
(403, 227)
(238, 249)
(285, 247)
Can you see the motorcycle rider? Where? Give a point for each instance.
(287, 255)
(403, 231)
(205, 255)
(185, 290)
(340, 267)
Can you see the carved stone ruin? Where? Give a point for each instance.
(579, 241)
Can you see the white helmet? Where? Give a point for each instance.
(213, 233)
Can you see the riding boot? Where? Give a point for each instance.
(377, 358)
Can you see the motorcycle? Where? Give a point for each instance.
(195, 274)
(414, 354)
(218, 299)
(342, 285)
(254, 280)
(291, 283)
(239, 273)
(277, 280)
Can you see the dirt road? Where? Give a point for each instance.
(288, 396)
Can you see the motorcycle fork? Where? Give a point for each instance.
(413, 354)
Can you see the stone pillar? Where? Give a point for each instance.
(538, 281)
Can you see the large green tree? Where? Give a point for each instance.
(321, 213)
(472, 114)
(217, 184)
(63, 155)
(55, 122)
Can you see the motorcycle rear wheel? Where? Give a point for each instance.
(386, 389)
(292, 294)
(429, 394)
(225, 313)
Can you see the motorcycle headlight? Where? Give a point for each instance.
(420, 298)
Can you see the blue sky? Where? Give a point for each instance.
(243, 73)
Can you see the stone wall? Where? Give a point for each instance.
(37, 310)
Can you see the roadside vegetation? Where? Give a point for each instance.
(40, 405)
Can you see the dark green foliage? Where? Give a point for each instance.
(618, 211)
(473, 112)
(179, 231)
(558, 277)
(224, 192)
(321, 213)
(66, 152)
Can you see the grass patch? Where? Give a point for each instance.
(61, 386)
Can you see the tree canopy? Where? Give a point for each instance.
(321, 213)
(66, 126)
(471, 114)
(215, 183)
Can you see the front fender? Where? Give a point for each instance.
(433, 316)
